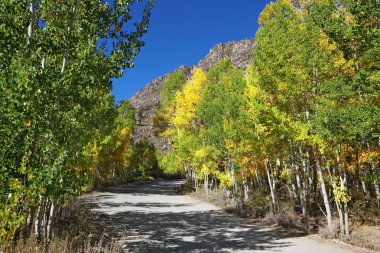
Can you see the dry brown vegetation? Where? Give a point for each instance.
(75, 231)
(365, 231)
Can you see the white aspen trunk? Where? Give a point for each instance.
(49, 224)
(36, 223)
(377, 191)
(245, 185)
(30, 222)
(357, 67)
(302, 200)
(255, 167)
(303, 204)
(195, 180)
(324, 196)
(45, 221)
(308, 170)
(64, 61)
(364, 188)
(31, 24)
(346, 224)
(341, 218)
(376, 185)
(43, 64)
(292, 190)
(346, 220)
(343, 215)
(306, 183)
(246, 189)
(271, 187)
(291, 194)
(234, 186)
(294, 195)
(39, 217)
(205, 185)
(187, 171)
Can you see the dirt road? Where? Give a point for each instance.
(151, 217)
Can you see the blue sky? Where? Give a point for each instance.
(183, 32)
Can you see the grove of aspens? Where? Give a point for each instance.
(299, 129)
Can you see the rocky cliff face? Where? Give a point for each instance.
(147, 100)
(146, 103)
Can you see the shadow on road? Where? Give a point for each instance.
(162, 187)
(151, 218)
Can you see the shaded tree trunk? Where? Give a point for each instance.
(324, 196)
(272, 186)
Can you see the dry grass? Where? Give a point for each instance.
(286, 218)
(325, 232)
(74, 232)
(362, 236)
(257, 207)
(186, 188)
(216, 197)
(365, 237)
(74, 245)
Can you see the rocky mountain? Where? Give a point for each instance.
(147, 100)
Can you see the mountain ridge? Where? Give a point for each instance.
(146, 101)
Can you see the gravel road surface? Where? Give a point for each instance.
(151, 217)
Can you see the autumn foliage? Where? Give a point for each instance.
(300, 124)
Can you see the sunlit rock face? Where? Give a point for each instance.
(147, 100)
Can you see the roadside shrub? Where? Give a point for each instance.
(325, 232)
(74, 231)
(366, 237)
(58, 245)
(186, 188)
(259, 204)
(285, 217)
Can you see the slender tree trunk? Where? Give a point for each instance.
(45, 221)
(30, 222)
(343, 218)
(31, 23)
(50, 222)
(339, 204)
(195, 178)
(234, 186)
(324, 195)
(302, 197)
(292, 190)
(346, 220)
(346, 224)
(246, 190)
(377, 191)
(205, 185)
(376, 186)
(255, 167)
(271, 186)
(364, 188)
(339, 208)
(39, 219)
(73, 14)
(212, 183)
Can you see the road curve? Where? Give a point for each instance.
(151, 217)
